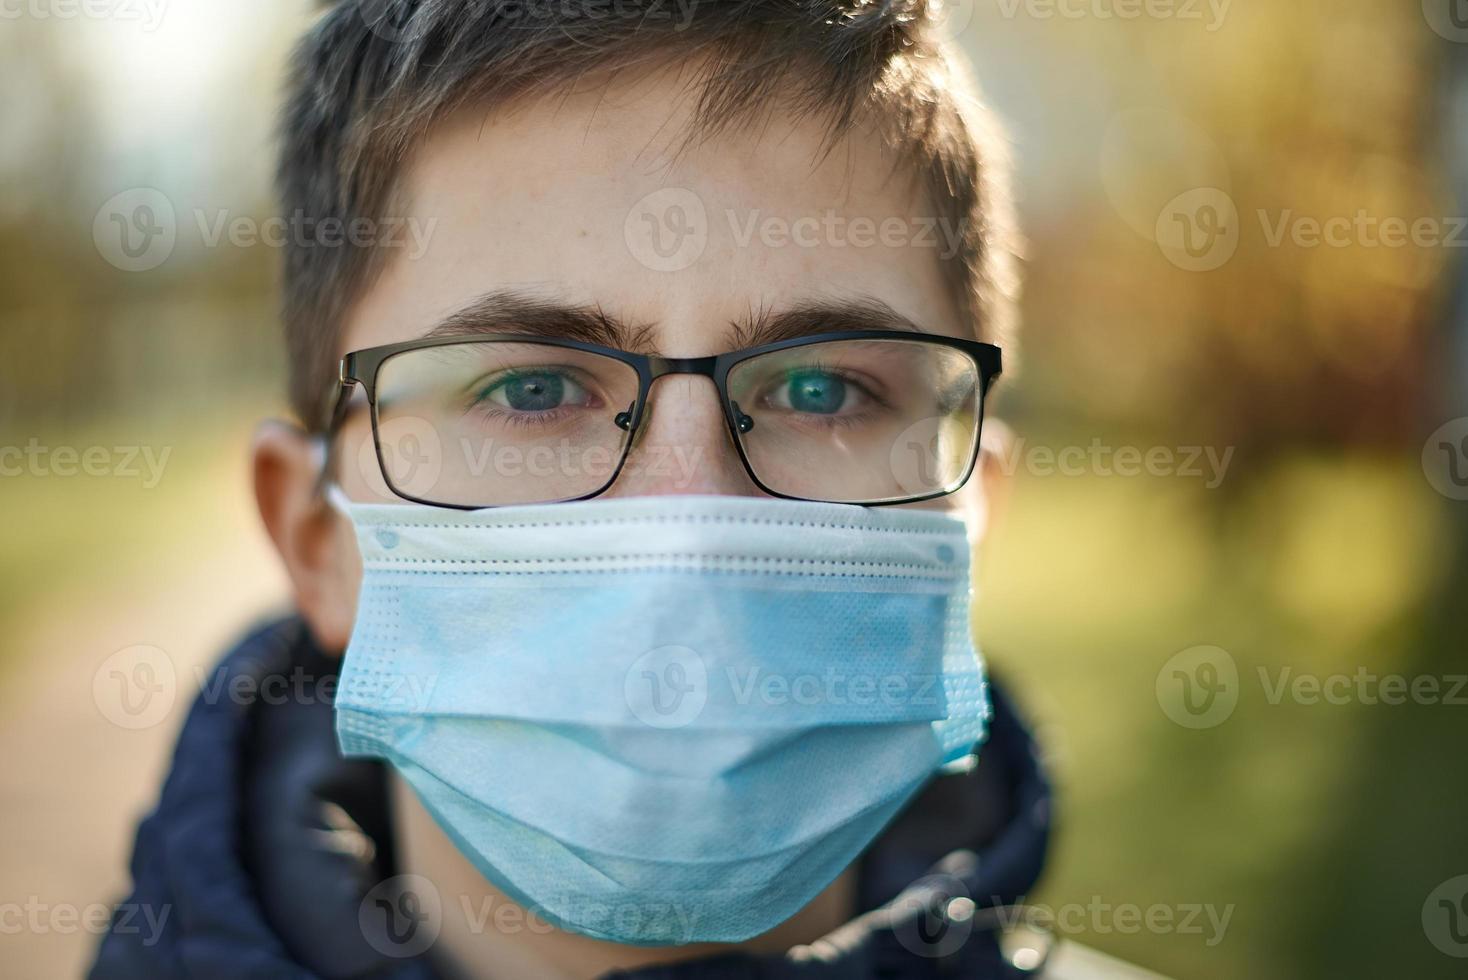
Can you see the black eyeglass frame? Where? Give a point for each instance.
(361, 367)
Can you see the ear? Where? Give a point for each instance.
(315, 541)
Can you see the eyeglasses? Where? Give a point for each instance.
(487, 420)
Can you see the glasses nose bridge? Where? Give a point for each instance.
(660, 367)
(663, 367)
(684, 432)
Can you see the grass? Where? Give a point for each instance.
(69, 536)
(1324, 566)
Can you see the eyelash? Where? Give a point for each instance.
(522, 419)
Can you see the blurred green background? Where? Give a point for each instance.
(1157, 158)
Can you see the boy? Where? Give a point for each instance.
(640, 502)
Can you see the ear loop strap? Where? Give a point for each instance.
(326, 486)
(325, 446)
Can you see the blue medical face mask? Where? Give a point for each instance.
(662, 720)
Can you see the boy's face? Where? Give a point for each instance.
(592, 201)
(587, 201)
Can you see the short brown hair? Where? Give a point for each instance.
(372, 76)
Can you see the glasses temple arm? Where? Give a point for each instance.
(328, 437)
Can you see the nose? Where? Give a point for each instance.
(682, 445)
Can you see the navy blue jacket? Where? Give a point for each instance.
(251, 850)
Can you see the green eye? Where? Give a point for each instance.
(814, 392)
(535, 391)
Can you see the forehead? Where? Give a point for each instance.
(596, 199)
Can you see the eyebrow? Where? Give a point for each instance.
(513, 312)
(766, 326)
